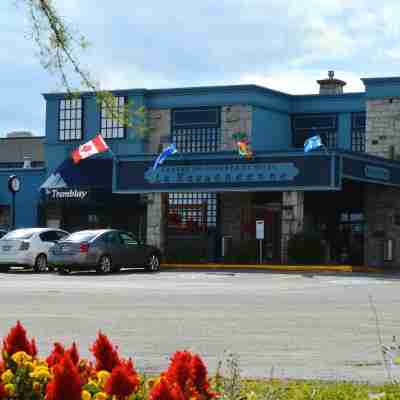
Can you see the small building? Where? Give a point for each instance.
(202, 203)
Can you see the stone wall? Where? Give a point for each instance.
(383, 127)
(382, 215)
(160, 127)
(234, 119)
(231, 205)
(156, 219)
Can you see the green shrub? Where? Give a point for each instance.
(306, 248)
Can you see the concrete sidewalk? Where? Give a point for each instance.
(276, 268)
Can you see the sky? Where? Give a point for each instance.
(284, 45)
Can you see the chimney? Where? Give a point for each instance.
(27, 162)
(331, 86)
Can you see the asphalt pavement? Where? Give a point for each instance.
(288, 325)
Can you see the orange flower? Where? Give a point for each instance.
(56, 355)
(17, 340)
(122, 382)
(106, 355)
(66, 383)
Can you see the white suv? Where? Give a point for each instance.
(28, 248)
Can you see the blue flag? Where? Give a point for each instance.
(312, 143)
(171, 149)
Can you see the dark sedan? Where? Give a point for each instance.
(105, 250)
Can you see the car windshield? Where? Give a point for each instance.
(18, 234)
(84, 236)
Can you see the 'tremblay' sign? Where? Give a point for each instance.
(66, 194)
(223, 173)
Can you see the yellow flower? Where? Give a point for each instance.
(100, 396)
(21, 358)
(102, 377)
(151, 382)
(40, 373)
(251, 396)
(10, 388)
(86, 395)
(7, 376)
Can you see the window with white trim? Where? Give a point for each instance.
(112, 121)
(70, 119)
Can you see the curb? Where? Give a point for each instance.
(277, 268)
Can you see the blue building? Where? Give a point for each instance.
(203, 202)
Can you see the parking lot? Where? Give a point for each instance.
(288, 325)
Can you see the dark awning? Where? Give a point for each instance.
(91, 173)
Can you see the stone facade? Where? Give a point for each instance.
(160, 129)
(231, 206)
(156, 219)
(382, 215)
(234, 119)
(292, 218)
(383, 127)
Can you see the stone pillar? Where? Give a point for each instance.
(234, 119)
(382, 137)
(292, 218)
(160, 129)
(382, 223)
(156, 219)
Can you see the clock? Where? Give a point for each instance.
(14, 184)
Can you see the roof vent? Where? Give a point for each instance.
(27, 162)
(331, 86)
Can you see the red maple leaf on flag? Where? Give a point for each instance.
(86, 147)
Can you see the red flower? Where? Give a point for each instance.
(164, 390)
(66, 383)
(18, 341)
(179, 368)
(198, 374)
(122, 382)
(56, 355)
(73, 353)
(106, 355)
(3, 392)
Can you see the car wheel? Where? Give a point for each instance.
(105, 265)
(153, 264)
(41, 264)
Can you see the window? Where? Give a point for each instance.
(51, 236)
(196, 130)
(192, 211)
(112, 238)
(128, 239)
(324, 125)
(358, 122)
(112, 127)
(70, 119)
(193, 131)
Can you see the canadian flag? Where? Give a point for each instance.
(94, 146)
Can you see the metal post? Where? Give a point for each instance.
(261, 252)
(13, 210)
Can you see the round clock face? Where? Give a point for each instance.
(15, 184)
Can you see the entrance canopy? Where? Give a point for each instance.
(278, 171)
(90, 173)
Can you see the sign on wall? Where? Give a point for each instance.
(66, 194)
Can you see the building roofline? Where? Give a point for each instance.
(395, 79)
